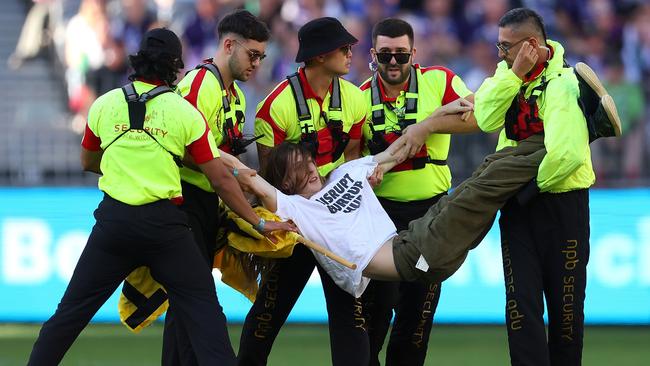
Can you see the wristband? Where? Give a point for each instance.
(235, 172)
(260, 225)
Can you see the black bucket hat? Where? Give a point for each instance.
(321, 36)
(162, 40)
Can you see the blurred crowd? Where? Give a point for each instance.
(613, 37)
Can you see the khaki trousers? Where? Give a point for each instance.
(458, 222)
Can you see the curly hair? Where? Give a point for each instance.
(155, 65)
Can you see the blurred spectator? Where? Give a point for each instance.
(85, 36)
(456, 33)
(359, 70)
(636, 46)
(299, 12)
(483, 17)
(483, 58)
(200, 33)
(131, 23)
(37, 31)
(438, 26)
(622, 158)
(164, 11)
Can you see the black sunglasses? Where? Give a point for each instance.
(400, 57)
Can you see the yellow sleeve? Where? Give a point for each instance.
(360, 116)
(565, 133)
(201, 138)
(276, 118)
(205, 96)
(493, 98)
(459, 87)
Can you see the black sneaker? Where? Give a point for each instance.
(598, 106)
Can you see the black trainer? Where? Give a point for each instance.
(598, 106)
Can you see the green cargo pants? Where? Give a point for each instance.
(439, 241)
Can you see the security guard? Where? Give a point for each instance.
(319, 109)
(211, 88)
(135, 138)
(545, 242)
(402, 96)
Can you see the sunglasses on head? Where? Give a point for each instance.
(400, 57)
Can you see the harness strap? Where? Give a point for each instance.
(380, 139)
(233, 137)
(299, 97)
(410, 108)
(309, 135)
(412, 93)
(532, 124)
(137, 110)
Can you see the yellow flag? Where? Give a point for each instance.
(246, 239)
(142, 300)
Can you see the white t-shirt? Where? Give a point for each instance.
(345, 217)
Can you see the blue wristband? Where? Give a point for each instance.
(235, 172)
(260, 225)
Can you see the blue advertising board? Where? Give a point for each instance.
(43, 230)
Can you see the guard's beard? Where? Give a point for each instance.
(403, 74)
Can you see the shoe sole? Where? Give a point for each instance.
(612, 113)
(588, 75)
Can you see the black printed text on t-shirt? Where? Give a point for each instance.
(344, 196)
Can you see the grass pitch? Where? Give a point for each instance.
(299, 345)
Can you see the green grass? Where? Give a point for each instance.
(109, 344)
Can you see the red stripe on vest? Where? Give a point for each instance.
(265, 113)
(90, 141)
(200, 149)
(193, 95)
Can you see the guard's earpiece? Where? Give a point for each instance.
(372, 65)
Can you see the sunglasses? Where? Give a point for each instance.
(400, 57)
(252, 55)
(505, 47)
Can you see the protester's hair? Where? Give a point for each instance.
(519, 16)
(155, 65)
(287, 167)
(244, 24)
(393, 28)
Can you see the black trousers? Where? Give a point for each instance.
(277, 295)
(202, 209)
(414, 303)
(126, 237)
(545, 247)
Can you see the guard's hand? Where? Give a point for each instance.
(458, 106)
(376, 177)
(414, 137)
(245, 179)
(271, 227)
(525, 60)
